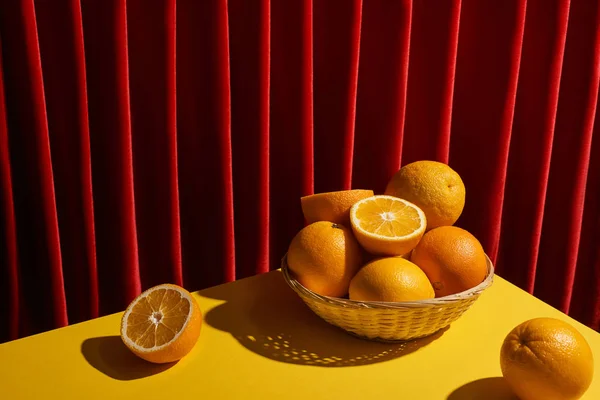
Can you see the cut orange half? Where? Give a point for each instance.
(332, 206)
(387, 225)
(162, 324)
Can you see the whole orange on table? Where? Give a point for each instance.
(546, 359)
(324, 257)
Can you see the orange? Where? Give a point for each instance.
(324, 257)
(390, 279)
(332, 206)
(433, 186)
(162, 324)
(545, 359)
(452, 258)
(386, 225)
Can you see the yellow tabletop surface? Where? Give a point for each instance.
(260, 341)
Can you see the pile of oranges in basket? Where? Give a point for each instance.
(398, 246)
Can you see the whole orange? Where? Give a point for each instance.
(545, 359)
(434, 187)
(390, 279)
(324, 257)
(332, 206)
(452, 258)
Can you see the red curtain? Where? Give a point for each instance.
(157, 141)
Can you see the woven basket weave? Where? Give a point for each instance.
(389, 322)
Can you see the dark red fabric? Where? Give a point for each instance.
(533, 128)
(60, 37)
(169, 141)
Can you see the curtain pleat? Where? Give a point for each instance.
(151, 54)
(575, 117)
(432, 69)
(487, 72)
(9, 273)
(249, 27)
(291, 122)
(382, 83)
(170, 141)
(533, 128)
(60, 37)
(42, 303)
(585, 301)
(336, 55)
(204, 143)
(107, 72)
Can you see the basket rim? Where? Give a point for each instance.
(347, 303)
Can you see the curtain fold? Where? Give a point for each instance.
(204, 143)
(109, 106)
(170, 141)
(42, 299)
(249, 52)
(9, 278)
(382, 84)
(533, 128)
(575, 120)
(61, 38)
(482, 114)
(431, 85)
(291, 121)
(336, 66)
(152, 79)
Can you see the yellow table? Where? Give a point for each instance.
(260, 341)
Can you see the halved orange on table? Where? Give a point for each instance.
(162, 324)
(387, 225)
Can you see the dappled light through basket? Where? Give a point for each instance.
(283, 348)
(273, 322)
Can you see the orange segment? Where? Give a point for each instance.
(162, 324)
(387, 225)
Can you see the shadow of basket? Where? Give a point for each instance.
(285, 347)
(269, 319)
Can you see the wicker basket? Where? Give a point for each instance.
(389, 322)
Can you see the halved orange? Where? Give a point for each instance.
(387, 225)
(332, 206)
(162, 324)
